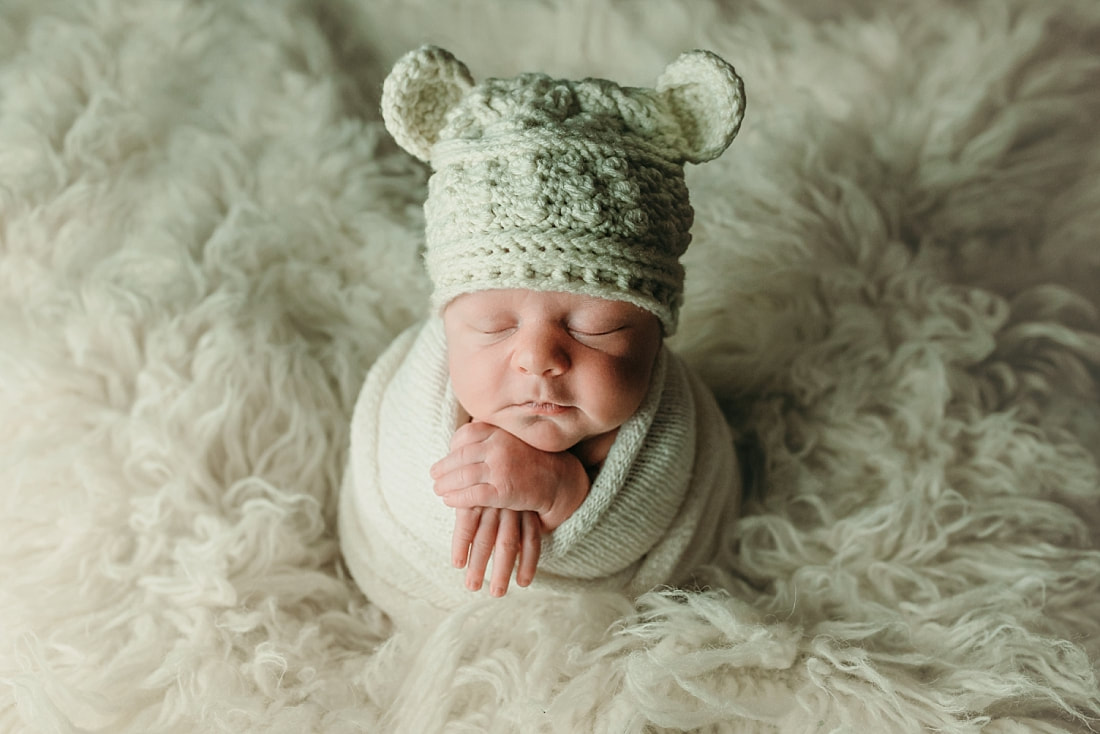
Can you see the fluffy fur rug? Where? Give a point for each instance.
(206, 237)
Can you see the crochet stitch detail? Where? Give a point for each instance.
(557, 185)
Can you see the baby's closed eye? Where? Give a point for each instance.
(599, 332)
(492, 327)
(595, 329)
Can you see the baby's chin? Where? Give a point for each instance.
(543, 434)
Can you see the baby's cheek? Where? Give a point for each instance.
(619, 394)
(633, 377)
(469, 399)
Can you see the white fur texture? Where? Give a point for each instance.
(206, 238)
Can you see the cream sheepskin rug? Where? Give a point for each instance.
(206, 238)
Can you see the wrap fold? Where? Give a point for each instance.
(651, 516)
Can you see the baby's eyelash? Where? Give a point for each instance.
(601, 332)
(493, 330)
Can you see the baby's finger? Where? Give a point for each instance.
(482, 548)
(472, 432)
(505, 551)
(479, 495)
(461, 475)
(459, 457)
(530, 549)
(466, 523)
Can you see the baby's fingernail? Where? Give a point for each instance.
(497, 591)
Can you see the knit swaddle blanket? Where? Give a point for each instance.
(652, 514)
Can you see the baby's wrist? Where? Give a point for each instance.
(571, 494)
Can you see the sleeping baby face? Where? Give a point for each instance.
(553, 369)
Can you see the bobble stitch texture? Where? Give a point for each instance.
(550, 184)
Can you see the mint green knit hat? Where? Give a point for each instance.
(555, 185)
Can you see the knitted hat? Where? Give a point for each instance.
(555, 185)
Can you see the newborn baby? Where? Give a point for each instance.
(546, 380)
(536, 418)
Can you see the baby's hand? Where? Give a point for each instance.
(489, 467)
(510, 537)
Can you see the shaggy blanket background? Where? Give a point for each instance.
(206, 238)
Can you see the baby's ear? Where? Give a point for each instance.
(422, 88)
(707, 98)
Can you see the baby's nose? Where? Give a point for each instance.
(541, 354)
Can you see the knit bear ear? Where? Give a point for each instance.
(707, 98)
(422, 88)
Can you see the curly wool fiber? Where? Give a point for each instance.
(206, 239)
